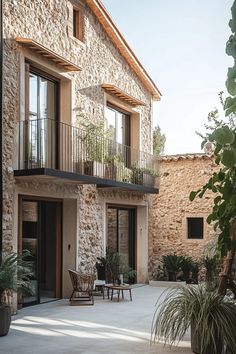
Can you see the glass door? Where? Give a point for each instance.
(121, 233)
(41, 117)
(30, 238)
(41, 235)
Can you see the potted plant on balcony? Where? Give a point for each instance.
(94, 144)
(144, 176)
(15, 275)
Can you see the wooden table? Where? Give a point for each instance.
(120, 289)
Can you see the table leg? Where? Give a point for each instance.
(130, 294)
(103, 292)
(111, 294)
(122, 294)
(108, 293)
(118, 295)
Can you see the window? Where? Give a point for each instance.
(77, 24)
(118, 125)
(195, 228)
(118, 128)
(41, 99)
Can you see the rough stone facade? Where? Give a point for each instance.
(168, 211)
(49, 23)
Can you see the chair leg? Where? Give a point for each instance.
(130, 294)
(111, 294)
(72, 295)
(118, 295)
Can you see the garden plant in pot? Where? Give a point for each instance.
(213, 323)
(15, 275)
(172, 264)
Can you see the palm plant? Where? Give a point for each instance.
(186, 267)
(212, 319)
(172, 263)
(15, 275)
(210, 263)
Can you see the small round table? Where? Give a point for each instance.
(120, 289)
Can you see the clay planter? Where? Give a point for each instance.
(94, 168)
(5, 319)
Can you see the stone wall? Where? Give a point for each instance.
(169, 210)
(49, 23)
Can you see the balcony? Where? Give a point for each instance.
(50, 149)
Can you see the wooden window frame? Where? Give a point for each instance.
(78, 28)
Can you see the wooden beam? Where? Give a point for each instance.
(48, 53)
(112, 89)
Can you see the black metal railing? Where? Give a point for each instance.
(50, 144)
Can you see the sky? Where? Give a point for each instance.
(181, 44)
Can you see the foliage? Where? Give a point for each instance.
(186, 267)
(212, 316)
(159, 273)
(172, 263)
(222, 136)
(222, 183)
(15, 275)
(94, 140)
(195, 271)
(114, 266)
(210, 263)
(159, 140)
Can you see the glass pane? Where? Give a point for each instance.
(47, 98)
(30, 242)
(110, 116)
(119, 128)
(33, 145)
(112, 229)
(123, 235)
(33, 94)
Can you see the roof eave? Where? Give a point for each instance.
(115, 35)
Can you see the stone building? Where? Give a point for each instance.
(77, 141)
(177, 225)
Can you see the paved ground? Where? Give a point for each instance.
(106, 327)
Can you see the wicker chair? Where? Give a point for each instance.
(83, 284)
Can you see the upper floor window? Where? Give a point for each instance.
(195, 228)
(77, 24)
(41, 111)
(118, 125)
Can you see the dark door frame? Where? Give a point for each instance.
(58, 262)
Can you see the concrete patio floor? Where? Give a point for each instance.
(106, 327)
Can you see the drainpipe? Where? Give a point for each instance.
(1, 124)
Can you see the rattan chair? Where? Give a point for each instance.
(83, 284)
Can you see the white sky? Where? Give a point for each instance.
(181, 43)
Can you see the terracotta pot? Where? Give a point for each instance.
(5, 319)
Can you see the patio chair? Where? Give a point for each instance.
(82, 283)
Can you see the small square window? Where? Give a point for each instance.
(195, 228)
(77, 24)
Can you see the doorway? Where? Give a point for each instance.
(41, 234)
(121, 233)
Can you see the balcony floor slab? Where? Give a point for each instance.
(64, 176)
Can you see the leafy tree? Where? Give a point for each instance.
(221, 134)
(159, 140)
